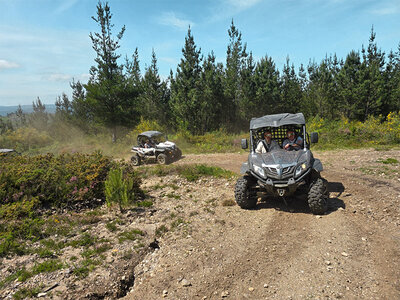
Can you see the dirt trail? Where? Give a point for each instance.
(274, 251)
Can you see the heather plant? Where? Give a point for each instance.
(67, 179)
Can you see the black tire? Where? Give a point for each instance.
(135, 159)
(162, 159)
(244, 196)
(318, 196)
(178, 154)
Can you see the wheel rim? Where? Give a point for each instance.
(135, 160)
(161, 159)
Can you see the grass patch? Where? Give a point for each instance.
(131, 235)
(25, 293)
(88, 253)
(144, 203)
(191, 172)
(112, 226)
(127, 255)
(177, 222)
(80, 271)
(21, 275)
(172, 195)
(388, 161)
(47, 266)
(194, 172)
(45, 253)
(161, 230)
(85, 240)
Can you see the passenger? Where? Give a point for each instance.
(267, 144)
(292, 142)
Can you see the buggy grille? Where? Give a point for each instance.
(280, 173)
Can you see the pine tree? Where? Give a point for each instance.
(372, 80)
(20, 117)
(39, 117)
(267, 87)
(235, 62)
(291, 92)
(349, 84)
(63, 107)
(109, 96)
(155, 97)
(247, 106)
(186, 88)
(212, 94)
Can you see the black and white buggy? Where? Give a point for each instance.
(281, 173)
(154, 146)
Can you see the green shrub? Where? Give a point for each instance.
(344, 133)
(47, 266)
(25, 138)
(25, 293)
(60, 181)
(118, 190)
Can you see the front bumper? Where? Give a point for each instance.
(283, 187)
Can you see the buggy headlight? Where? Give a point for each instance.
(300, 169)
(259, 171)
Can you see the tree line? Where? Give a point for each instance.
(203, 95)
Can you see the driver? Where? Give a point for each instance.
(292, 142)
(148, 144)
(267, 144)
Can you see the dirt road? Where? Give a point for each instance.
(220, 251)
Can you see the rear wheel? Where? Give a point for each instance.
(318, 196)
(135, 159)
(162, 159)
(245, 195)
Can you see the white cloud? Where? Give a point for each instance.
(65, 6)
(170, 19)
(4, 64)
(226, 9)
(242, 4)
(83, 78)
(389, 10)
(58, 77)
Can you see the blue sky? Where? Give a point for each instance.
(45, 43)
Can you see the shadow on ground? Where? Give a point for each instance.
(299, 203)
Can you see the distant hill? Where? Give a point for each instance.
(4, 110)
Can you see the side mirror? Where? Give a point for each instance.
(244, 144)
(314, 137)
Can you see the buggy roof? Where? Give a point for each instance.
(277, 120)
(150, 134)
(6, 150)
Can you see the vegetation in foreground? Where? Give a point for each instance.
(48, 206)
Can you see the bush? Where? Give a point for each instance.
(68, 180)
(54, 180)
(119, 189)
(375, 131)
(25, 138)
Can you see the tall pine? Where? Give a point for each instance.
(109, 96)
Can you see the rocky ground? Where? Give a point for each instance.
(195, 243)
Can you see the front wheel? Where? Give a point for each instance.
(245, 196)
(178, 154)
(318, 196)
(162, 159)
(135, 159)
